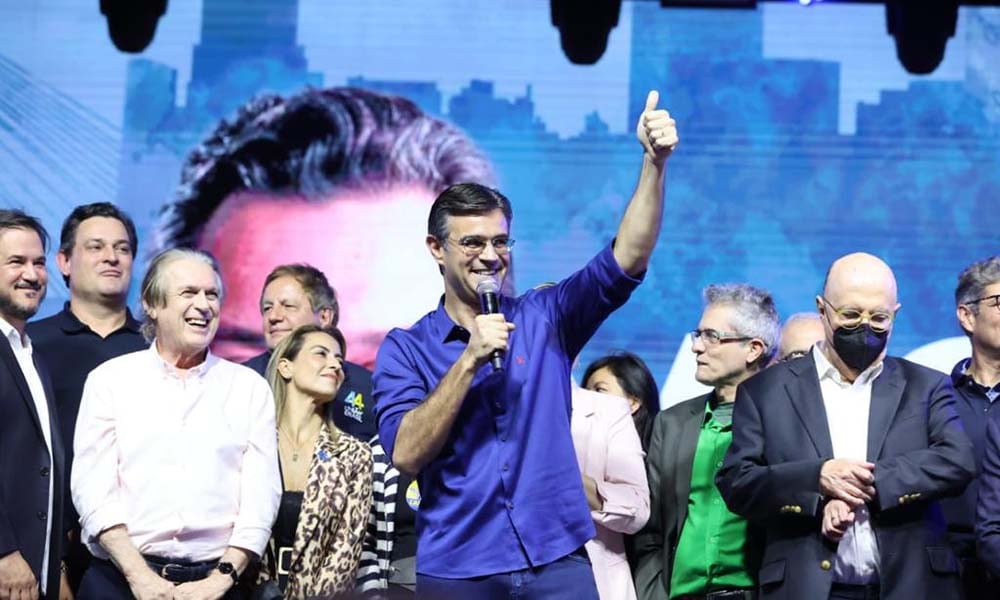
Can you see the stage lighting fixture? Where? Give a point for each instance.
(921, 29)
(584, 27)
(132, 23)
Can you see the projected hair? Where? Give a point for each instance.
(313, 142)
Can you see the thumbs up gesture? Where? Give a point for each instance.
(657, 130)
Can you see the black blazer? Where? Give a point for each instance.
(668, 469)
(25, 470)
(780, 441)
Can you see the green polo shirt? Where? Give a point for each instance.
(712, 552)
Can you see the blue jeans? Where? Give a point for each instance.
(570, 577)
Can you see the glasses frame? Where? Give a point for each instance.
(877, 328)
(994, 297)
(463, 245)
(712, 337)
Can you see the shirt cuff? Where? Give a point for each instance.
(612, 502)
(253, 539)
(106, 516)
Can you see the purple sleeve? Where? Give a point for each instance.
(579, 304)
(396, 386)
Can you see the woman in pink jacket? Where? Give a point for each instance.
(614, 479)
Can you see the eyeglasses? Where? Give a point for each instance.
(474, 245)
(711, 337)
(995, 298)
(852, 318)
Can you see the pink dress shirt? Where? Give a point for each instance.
(189, 465)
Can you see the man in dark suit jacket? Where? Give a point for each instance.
(31, 453)
(692, 545)
(842, 455)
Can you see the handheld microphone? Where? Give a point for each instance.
(489, 302)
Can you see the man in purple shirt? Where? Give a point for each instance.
(503, 512)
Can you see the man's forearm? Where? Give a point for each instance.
(124, 554)
(640, 226)
(423, 430)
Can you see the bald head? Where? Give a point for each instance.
(864, 285)
(800, 332)
(860, 275)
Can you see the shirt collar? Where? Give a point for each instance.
(12, 335)
(960, 376)
(826, 370)
(69, 322)
(168, 369)
(445, 328)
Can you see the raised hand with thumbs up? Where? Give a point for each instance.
(656, 130)
(640, 226)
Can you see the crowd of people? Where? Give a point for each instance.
(136, 462)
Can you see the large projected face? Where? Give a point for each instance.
(368, 242)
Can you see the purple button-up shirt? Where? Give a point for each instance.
(505, 492)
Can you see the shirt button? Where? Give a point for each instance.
(44, 471)
(498, 405)
(506, 467)
(41, 515)
(825, 565)
(503, 438)
(510, 505)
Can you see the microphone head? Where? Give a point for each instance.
(487, 285)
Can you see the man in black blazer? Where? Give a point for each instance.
(842, 455)
(31, 454)
(692, 546)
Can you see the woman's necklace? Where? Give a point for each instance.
(296, 448)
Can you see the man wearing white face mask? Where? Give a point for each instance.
(844, 453)
(176, 478)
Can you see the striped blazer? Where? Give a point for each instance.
(376, 551)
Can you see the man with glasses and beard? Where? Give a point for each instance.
(843, 454)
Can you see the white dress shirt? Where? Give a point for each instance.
(23, 352)
(847, 408)
(187, 461)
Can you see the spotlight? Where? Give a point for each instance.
(921, 29)
(584, 27)
(132, 23)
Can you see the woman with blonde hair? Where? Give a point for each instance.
(326, 475)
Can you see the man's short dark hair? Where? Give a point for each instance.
(67, 237)
(464, 199)
(315, 141)
(14, 218)
(315, 285)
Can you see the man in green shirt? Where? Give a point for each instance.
(693, 547)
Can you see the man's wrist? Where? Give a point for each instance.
(469, 362)
(223, 580)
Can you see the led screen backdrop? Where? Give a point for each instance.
(802, 139)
